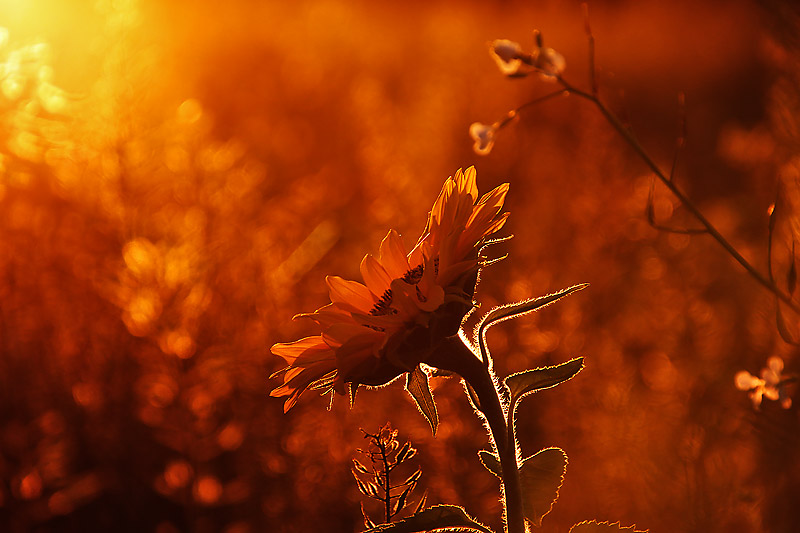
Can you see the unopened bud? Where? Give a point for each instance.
(507, 55)
(550, 63)
(483, 135)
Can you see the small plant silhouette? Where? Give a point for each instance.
(378, 480)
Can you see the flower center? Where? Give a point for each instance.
(413, 276)
(384, 304)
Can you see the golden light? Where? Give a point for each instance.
(177, 179)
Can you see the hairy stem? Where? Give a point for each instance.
(457, 357)
(693, 209)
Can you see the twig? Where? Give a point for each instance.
(588, 28)
(514, 112)
(709, 227)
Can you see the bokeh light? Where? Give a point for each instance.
(177, 178)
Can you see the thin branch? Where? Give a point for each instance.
(387, 488)
(511, 115)
(590, 37)
(694, 210)
(651, 215)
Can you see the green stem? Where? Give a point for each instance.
(457, 357)
(709, 227)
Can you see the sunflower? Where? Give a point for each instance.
(372, 332)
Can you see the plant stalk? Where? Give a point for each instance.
(685, 201)
(387, 488)
(457, 357)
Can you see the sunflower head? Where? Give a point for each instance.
(408, 303)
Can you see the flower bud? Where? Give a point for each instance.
(550, 63)
(483, 135)
(507, 54)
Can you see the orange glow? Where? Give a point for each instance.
(207, 490)
(177, 179)
(87, 394)
(230, 437)
(30, 486)
(178, 474)
(60, 504)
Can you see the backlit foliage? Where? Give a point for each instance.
(378, 477)
(177, 178)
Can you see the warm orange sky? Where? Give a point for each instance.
(178, 178)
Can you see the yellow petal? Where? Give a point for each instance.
(415, 256)
(297, 380)
(497, 225)
(308, 347)
(463, 200)
(468, 185)
(326, 315)
(490, 205)
(393, 255)
(289, 374)
(374, 275)
(438, 211)
(350, 293)
(496, 196)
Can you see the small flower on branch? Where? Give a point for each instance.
(516, 63)
(771, 385)
(510, 58)
(483, 135)
(549, 63)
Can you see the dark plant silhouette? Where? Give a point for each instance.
(379, 480)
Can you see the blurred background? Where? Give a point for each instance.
(177, 178)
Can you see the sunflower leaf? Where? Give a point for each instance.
(592, 526)
(417, 386)
(537, 379)
(541, 476)
(432, 519)
(506, 312)
(473, 396)
(491, 462)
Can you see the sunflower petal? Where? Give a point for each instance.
(375, 276)
(350, 293)
(469, 185)
(297, 379)
(305, 349)
(393, 255)
(326, 315)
